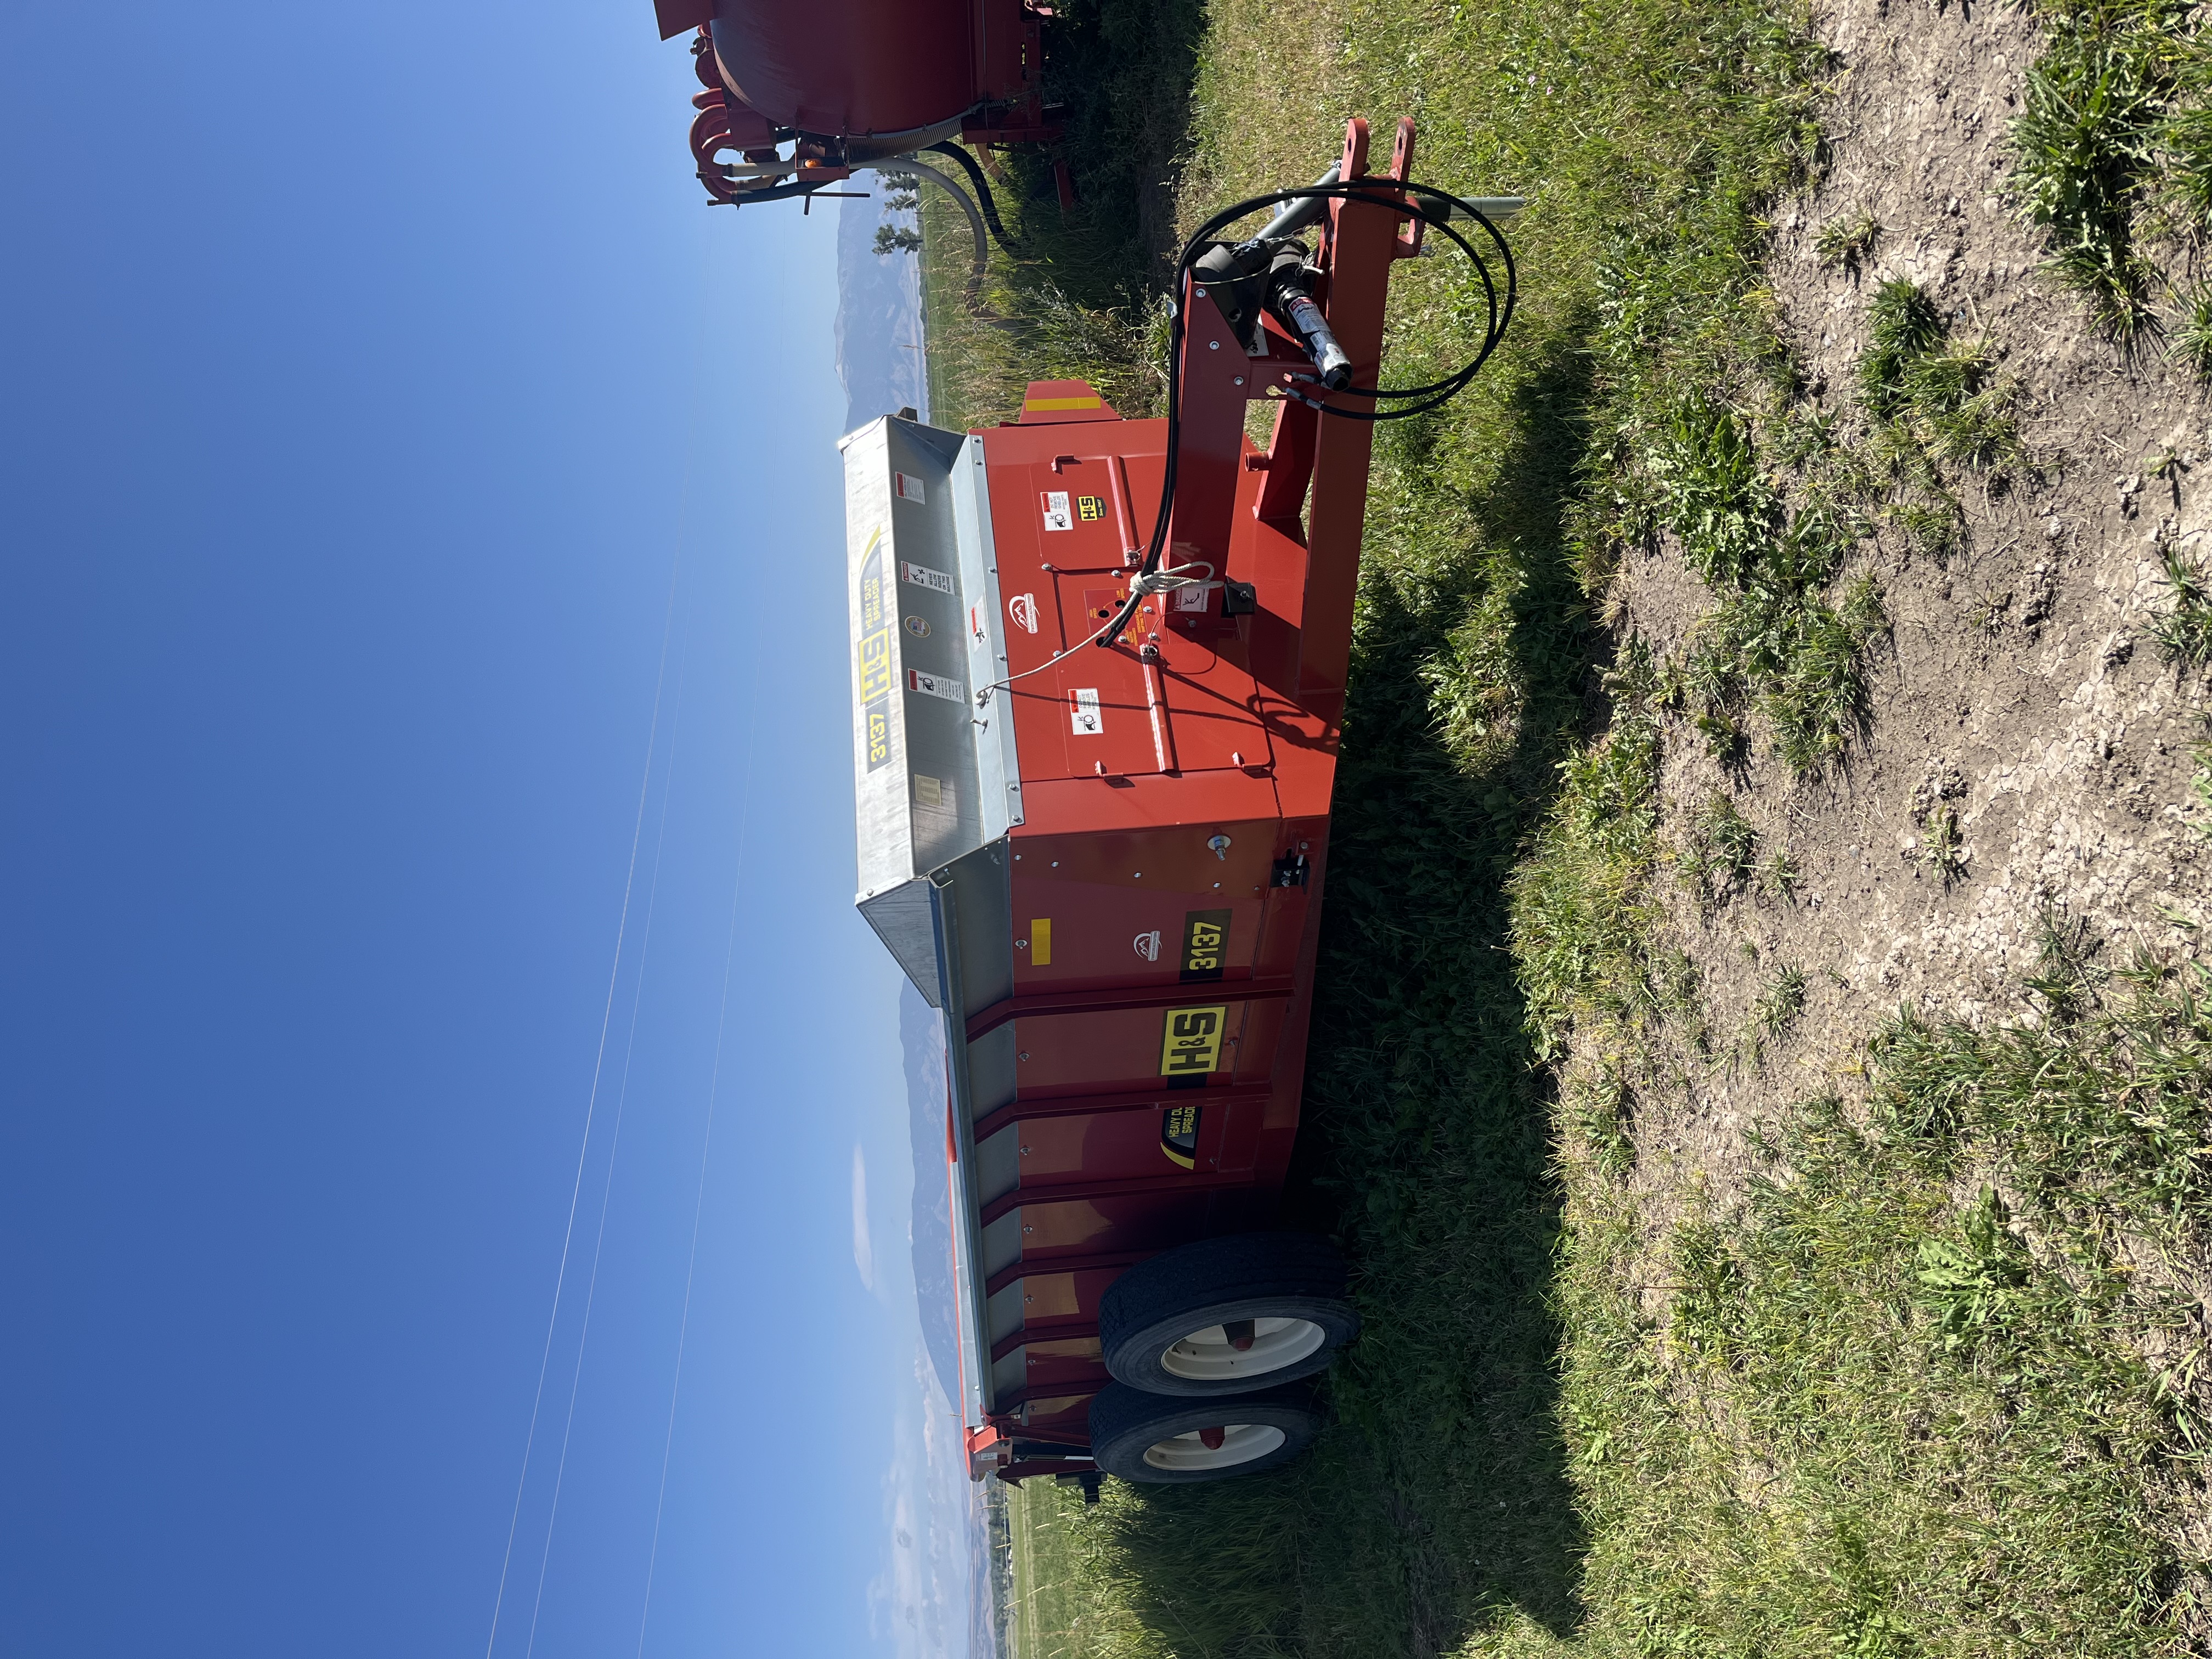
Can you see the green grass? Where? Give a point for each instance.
(2086, 145)
(1719, 850)
(2185, 629)
(1935, 1387)
(1072, 1600)
(1781, 641)
(1880, 1411)
(1078, 295)
(985, 343)
(2113, 156)
(1847, 244)
(1903, 327)
(2191, 340)
(1802, 659)
(1939, 400)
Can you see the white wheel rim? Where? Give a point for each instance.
(1207, 1356)
(1240, 1443)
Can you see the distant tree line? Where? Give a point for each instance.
(905, 198)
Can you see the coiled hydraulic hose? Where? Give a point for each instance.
(1306, 203)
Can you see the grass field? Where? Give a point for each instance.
(1932, 1385)
(1076, 295)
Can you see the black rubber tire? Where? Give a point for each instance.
(1243, 1276)
(1127, 1423)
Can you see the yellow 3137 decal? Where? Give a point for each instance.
(1192, 1042)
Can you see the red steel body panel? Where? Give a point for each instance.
(1120, 863)
(1167, 876)
(854, 67)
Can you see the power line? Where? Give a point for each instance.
(614, 1144)
(706, 1146)
(592, 1103)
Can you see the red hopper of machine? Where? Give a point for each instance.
(1094, 757)
(1099, 679)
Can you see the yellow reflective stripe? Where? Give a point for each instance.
(1042, 405)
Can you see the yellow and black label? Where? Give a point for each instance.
(875, 652)
(1191, 1044)
(1179, 1134)
(1089, 509)
(1204, 944)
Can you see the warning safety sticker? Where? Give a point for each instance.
(922, 576)
(909, 488)
(935, 686)
(1056, 515)
(1083, 715)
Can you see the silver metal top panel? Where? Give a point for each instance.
(937, 782)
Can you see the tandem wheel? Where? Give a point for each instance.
(1227, 1316)
(1158, 1439)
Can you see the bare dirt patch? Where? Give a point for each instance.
(2029, 753)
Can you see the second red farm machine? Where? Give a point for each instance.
(1099, 677)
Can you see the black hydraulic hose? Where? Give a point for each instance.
(983, 188)
(1424, 398)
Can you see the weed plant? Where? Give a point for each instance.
(1780, 1001)
(1941, 849)
(2193, 336)
(2184, 630)
(1780, 875)
(2086, 144)
(1719, 850)
(1932, 527)
(1847, 244)
(1935, 399)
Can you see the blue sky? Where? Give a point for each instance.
(369, 375)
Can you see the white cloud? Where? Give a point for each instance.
(919, 1600)
(864, 1255)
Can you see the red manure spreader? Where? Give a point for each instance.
(1099, 674)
